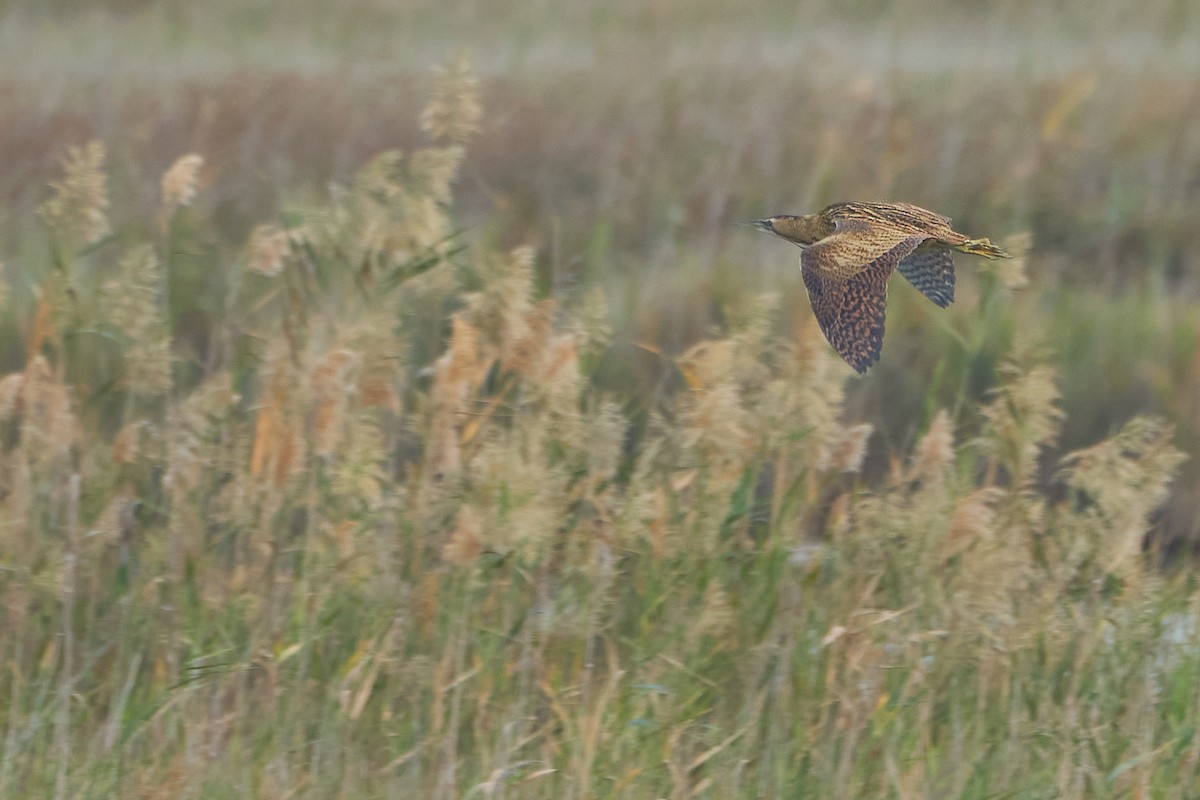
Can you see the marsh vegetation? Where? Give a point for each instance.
(368, 430)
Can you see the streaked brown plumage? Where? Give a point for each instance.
(849, 252)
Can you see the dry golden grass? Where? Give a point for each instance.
(1072, 124)
(339, 502)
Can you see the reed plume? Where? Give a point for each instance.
(78, 211)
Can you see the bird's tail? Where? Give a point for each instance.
(983, 247)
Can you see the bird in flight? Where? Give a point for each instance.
(848, 252)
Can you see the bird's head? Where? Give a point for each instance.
(801, 230)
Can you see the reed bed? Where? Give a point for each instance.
(388, 529)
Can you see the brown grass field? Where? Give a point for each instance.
(389, 406)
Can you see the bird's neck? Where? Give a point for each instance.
(803, 230)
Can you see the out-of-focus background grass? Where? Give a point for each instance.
(420, 605)
(625, 138)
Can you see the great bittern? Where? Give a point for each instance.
(848, 253)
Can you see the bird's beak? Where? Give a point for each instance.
(760, 224)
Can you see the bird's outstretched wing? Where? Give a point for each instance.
(851, 309)
(931, 270)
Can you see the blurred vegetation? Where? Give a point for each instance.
(623, 139)
(357, 443)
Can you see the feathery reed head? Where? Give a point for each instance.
(453, 113)
(935, 451)
(178, 183)
(132, 305)
(269, 248)
(77, 212)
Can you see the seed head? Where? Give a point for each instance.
(453, 112)
(935, 451)
(77, 212)
(848, 450)
(179, 182)
(269, 249)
